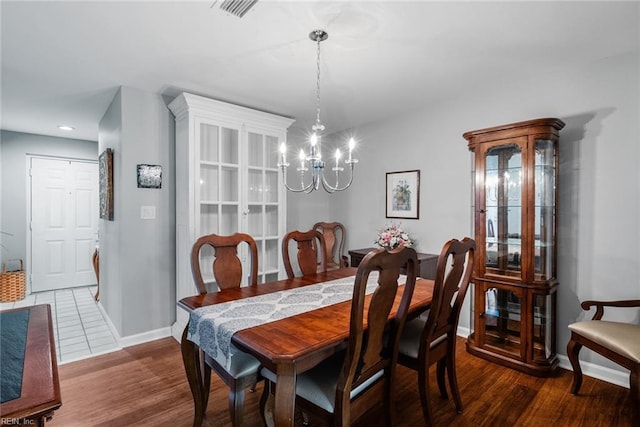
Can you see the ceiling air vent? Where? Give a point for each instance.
(236, 7)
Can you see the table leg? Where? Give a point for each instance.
(285, 395)
(191, 360)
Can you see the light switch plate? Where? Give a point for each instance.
(147, 212)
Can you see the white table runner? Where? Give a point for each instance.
(212, 327)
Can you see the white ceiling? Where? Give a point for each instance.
(62, 62)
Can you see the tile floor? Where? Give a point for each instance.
(80, 328)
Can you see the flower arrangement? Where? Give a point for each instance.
(393, 236)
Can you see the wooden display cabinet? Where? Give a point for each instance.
(514, 286)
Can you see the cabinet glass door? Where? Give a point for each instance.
(502, 319)
(219, 179)
(503, 207)
(545, 190)
(543, 327)
(218, 175)
(263, 201)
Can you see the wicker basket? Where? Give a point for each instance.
(12, 284)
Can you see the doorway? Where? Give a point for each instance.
(64, 222)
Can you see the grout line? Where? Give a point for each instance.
(84, 331)
(68, 298)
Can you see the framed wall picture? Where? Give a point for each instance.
(149, 176)
(403, 194)
(105, 170)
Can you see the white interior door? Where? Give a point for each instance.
(64, 223)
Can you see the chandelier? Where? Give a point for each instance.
(312, 160)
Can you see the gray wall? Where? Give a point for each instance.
(14, 148)
(137, 256)
(599, 183)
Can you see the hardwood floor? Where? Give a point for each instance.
(145, 385)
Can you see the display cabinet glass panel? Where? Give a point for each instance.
(544, 233)
(209, 188)
(271, 187)
(229, 219)
(229, 184)
(255, 186)
(271, 255)
(229, 146)
(503, 197)
(256, 150)
(209, 142)
(502, 319)
(272, 151)
(543, 327)
(208, 218)
(255, 221)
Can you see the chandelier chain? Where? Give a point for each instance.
(318, 85)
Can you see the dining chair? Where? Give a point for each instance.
(617, 341)
(334, 235)
(345, 386)
(431, 338)
(311, 248)
(228, 272)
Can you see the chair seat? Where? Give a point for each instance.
(621, 338)
(318, 385)
(242, 364)
(411, 336)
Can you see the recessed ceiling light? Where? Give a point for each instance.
(64, 127)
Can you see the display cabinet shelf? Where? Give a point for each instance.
(514, 209)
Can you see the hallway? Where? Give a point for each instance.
(80, 328)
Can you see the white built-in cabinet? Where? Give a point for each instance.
(227, 181)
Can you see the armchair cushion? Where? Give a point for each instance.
(621, 338)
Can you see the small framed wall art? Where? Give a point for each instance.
(149, 176)
(105, 178)
(403, 194)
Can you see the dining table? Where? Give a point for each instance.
(289, 345)
(29, 384)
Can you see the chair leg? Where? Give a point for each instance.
(573, 349)
(206, 382)
(423, 387)
(634, 386)
(267, 403)
(236, 405)
(453, 380)
(388, 403)
(440, 369)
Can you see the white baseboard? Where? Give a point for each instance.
(596, 371)
(136, 339)
(589, 369)
(112, 327)
(144, 337)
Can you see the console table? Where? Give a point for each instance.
(427, 263)
(35, 392)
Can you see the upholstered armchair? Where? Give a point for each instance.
(617, 341)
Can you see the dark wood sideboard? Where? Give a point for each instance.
(426, 262)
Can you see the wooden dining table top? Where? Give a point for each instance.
(40, 392)
(306, 334)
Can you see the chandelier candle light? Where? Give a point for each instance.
(314, 157)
